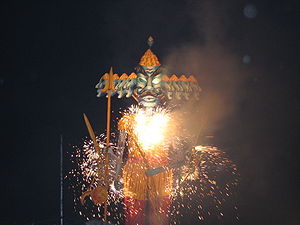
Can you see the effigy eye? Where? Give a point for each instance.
(156, 80)
(142, 79)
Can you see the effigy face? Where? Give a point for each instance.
(148, 91)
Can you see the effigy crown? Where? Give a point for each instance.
(149, 59)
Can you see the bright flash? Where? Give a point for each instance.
(151, 127)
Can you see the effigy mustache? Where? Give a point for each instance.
(150, 92)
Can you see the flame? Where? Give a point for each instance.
(203, 188)
(151, 127)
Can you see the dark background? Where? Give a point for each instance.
(54, 51)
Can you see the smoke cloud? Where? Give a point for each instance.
(215, 67)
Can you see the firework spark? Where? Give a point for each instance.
(89, 174)
(203, 185)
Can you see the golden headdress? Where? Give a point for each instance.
(149, 59)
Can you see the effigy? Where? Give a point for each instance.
(154, 156)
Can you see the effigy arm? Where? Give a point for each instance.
(120, 153)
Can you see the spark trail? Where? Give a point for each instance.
(203, 187)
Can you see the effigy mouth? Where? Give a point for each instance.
(155, 94)
(149, 98)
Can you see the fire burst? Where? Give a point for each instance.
(150, 126)
(203, 187)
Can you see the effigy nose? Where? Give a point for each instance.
(149, 85)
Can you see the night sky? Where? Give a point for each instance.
(53, 53)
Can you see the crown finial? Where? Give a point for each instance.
(150, 41)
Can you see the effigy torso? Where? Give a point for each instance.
(148, 147)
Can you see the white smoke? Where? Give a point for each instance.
(214, 67)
